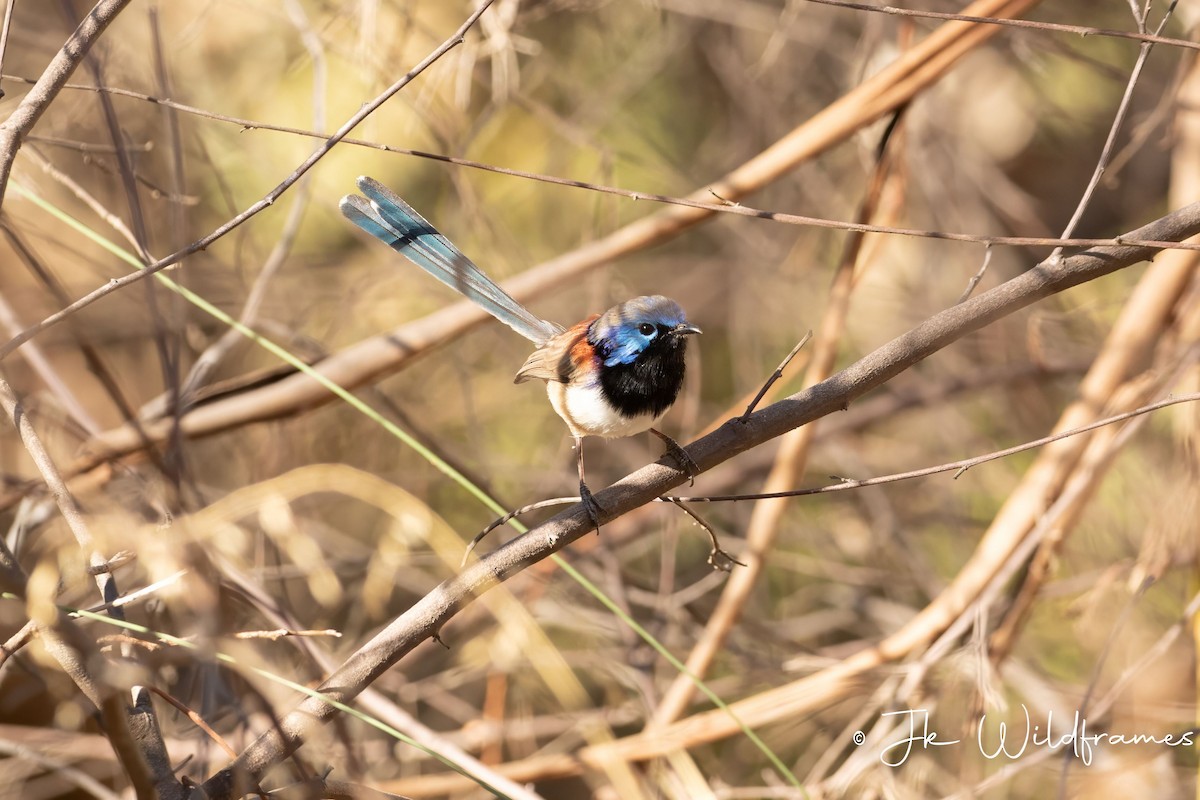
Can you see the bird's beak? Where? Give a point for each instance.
(684, 328)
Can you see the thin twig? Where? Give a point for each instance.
(119, 559)
(90, 147)
(86, 197)
(197, 720)
(978, 276)
(718, 558)
(283, 633)
(1110, 142)
(775, 376)
(67, 506)
(1056, 27)
(140, 594)
(722, 206)
(496, 523)
(44, 369)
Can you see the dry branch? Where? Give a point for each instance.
(18, 125)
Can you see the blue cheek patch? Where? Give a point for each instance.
(622, 347)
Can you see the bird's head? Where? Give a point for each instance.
(641, 327)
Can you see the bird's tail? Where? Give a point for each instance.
(395, 223)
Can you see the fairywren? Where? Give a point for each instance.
(612, 374)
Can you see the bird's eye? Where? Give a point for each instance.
(645, 329)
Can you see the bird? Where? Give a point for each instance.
(610, 375)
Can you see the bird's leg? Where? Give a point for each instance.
(686, 465)
(585, 494)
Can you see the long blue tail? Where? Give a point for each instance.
(395, 223)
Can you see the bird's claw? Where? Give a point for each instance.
(590, 505)
(686, 464)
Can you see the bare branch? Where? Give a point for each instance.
(143, 728)
(1077, 30)
(18, 125)
(62, 495)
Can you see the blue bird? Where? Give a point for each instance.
(612, 374)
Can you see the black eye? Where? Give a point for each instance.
(645, 329)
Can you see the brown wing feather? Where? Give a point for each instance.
(559, 357)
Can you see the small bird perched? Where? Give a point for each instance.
(612, 374)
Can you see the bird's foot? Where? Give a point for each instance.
(686, 464)
(590, 505)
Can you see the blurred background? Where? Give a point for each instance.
(307, 516)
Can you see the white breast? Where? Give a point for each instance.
(587, 413)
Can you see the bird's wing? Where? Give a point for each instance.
(391, 220)
(561, 358)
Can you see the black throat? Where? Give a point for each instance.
(651, 383)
